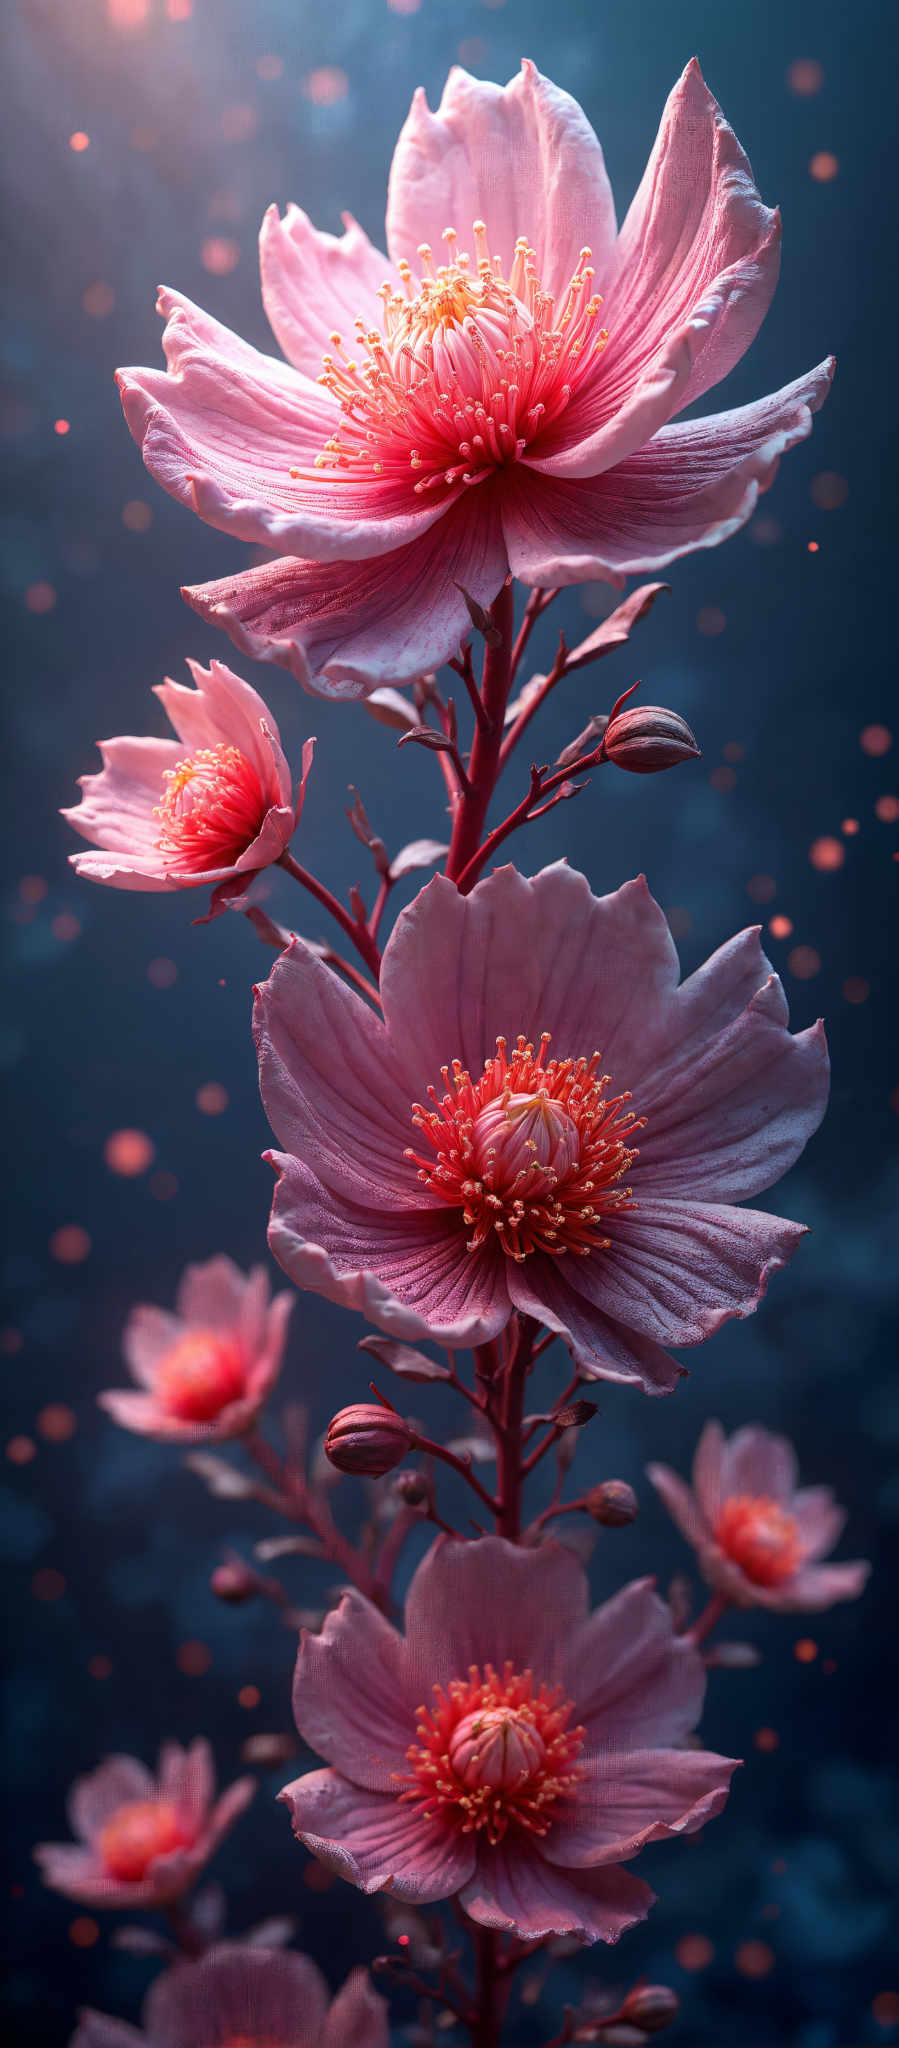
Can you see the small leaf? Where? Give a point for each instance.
(733, 1656)
(363, 829)
(389, 708)
(616, 629)
(480, 619)
(403, 1360)
(287, 1546)
(273, 1933)
(525, 697)
(438, 742)
(222, 1479)
(585, 741)
(140, 1941)
(420, 853)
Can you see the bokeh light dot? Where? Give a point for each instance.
(733, 750)
(129, 1153)
(766, 1740)
(61, 427)
(137, 515)
(98, 301)
(850, 826)
(805, 1650)
(711, 621)
(179, 10)
(65, 926)
(856, 989)
(824, 166)
(249, 1696)
(220, 254)
(805, 77)
(754, 1959)
(163, 1185)
(694, 1952)
(99, 1666)
(212, 1098)
(33, 888)
(779, 926)
(827, 854)
(885, 2008)
(193, 1658)
(887, 809)
(11, 1341)
(48, 1584)
(79, 142)
(804, 963)
(239, 123)
(20, 1450)
(875, 739)
(70, 1244)
(162, 973)
(326, 85)
(766, 531)
(404, 6)
(40, 597)
(761, 888)
(269, 66)
(828, 490)
(813, 547)
(723, 780)
(56, 1423)
(84, 1932)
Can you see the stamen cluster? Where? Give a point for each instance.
(495, 1752)
(211, 810)
(757, 1533)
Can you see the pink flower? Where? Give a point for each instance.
(757, 1535)
(257, 1997)
(504, 408)
(509, 1747)
(205, 1371)
(469, 1156)
(143, 1840)
(210, 808)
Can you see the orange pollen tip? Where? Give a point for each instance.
(136, 1834)
(534, 1152)
(202, 1374)
(495, 1752)
(759, 1536)
(212, 808)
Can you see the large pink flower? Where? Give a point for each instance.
(758, 1535)
(494, 396)
(510, 1747)
(257, 1997)
(143, 1839)
(205, 1371)
(468, 1157)
(212, 807)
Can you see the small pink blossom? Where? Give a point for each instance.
(257, 1997)
(543, 1122)
(210, 808)
(495, 395)
(143, 1840)
(758, 1535)
(205, 1371)
(510, 1747)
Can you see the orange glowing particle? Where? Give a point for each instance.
(827, 854)
(40, 597)
(20, 1450)
(723, 780)
(99, 1667)
(61, 427)
(885, 2008)
(805, 1651)
(875, 739)
(766, 1739)
(79, 141)
(57, 1423)
(84, 1932)
(33, 888)
(887, 809)
(220, 255)
(325, 86)
(850, 826)
(269, 67)
(761, 888)
(805, 77)
(137, 516)
(824, 166)
(804, 963)
(813, 547)
(694, 1952)
(193, 1658)
(70, 1244)
(129, 1153)
(856, 989)
(98, 301)
(711, 621)
(48, 1584)
(249, 1696)
(65, 926)
(780, 927)
(212, 1098)
(754, 1959)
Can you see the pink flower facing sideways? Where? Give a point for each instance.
(240, 1996)
(544, 1122)
(204, 1371)
(495, 395)
(210, 808)
(142, 1840)
(758, 1535)
(510, 1746)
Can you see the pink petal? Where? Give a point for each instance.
(222, 430)
(314, 284)
(522, 158)
(97, 2030)
(631, 1797)
(409, 1274)
(515, 1888)
(602, 1348)
(691, 486)
(117, 808)
(234, 1801)
(680, 1502)
(820, 1520)
(95, 1798)
(224, 710)
(212, 1296)
(677, 1270)
(72, 1870)
(634, 1682)
(352, 1701)
(188, 1776)
(486, 1601)
(358, 2017)
(375, 1842)
(345, 628)
(756, 1462)
(708, 1467)
(817, 1586)
(149, 1333)
(237, 1991)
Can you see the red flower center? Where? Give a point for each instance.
(466, 370)
(761, 1538)
(136, 1834)
(212, 809)
(494, 1753)
(201, 1374)
(534, 1151)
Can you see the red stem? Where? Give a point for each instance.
(491, 1992)
(530, 710)
(357, 933)
(483, 767)
(708, 1619)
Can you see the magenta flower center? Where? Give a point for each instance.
(467, 369)
(201, 1374)
(760, 1537)
(212, 809)
(136, 1834)
(495, 1752)
(534, 1152)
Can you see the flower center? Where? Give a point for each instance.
(755, 1532)
(467, 369)
(212, 809)
(136, 1834)
(201, 1374)
(534, 1151)
(493, 1753)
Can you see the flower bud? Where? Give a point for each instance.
(614, 1503)
(648, 738)
(368, 1439)
(414, 1489)
(651, 2007)
(234, 1582)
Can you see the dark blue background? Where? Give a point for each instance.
(91, 1045)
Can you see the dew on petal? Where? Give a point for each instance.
(827, 854)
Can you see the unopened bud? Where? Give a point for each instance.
(614, 1503)
(414, 1489)
(234, 1582)
(651, 2007)
(649, 738)
(368, 1439)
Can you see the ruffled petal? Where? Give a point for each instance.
(820, 1520)
(516, 1889)
(98, 2030)
(346, 628)
(351, 1701)
(756, 1462)
(149, 1333)
(690, 486)
(95, 1798)
(680, 1502)
(223, 709)
(375, 1841)
(677, 1270)
(601, 1348)
(522, 157)
(817, 1586)
(235, 1992)
(635, 1684)
(314, 284)
(117, 809)
(629, 1798)
(487, 1601)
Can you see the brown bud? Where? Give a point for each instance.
(651, 2007)
(614, 1503)
(649, 738)
(368, 1439)
(414, 1488)
(234, 1582)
